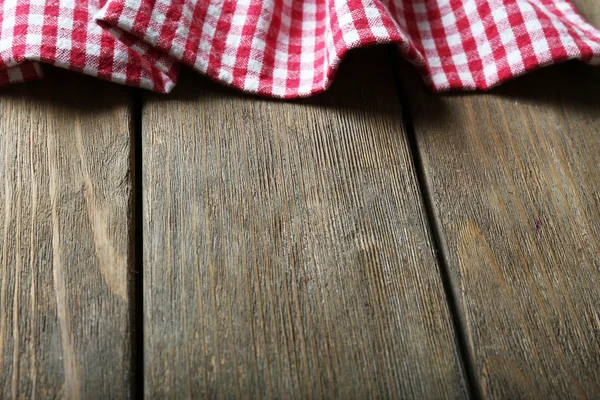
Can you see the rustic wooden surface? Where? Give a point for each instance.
(286, 245)
(590, 11)
(64, 213)
(286, 252)
(513, 179)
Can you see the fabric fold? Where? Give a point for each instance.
(63, 33)
(289, 48)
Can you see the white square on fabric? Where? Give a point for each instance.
(34, 39)
(254, 66)
(490, 71)
(484, 49)
(258, 44)
(225, 76)
(460, 59)
(233, 41)
(351, 37)
(540, 46)
(454, 40)
(429, 44)
(346, 19)
(278, 90)
(309, 25)
(466, 78)
(477, 29)
(279, 73)
(64, 43)
(515, 61)
(449, 19)
(35, 20)
(309, 8)
(440, 79)
(228, 60)
(281, 56)
(306, 74)
(434, 61)
(379, 31)
(251, 84)
(533, 25)
(92, 47)
(305, 87)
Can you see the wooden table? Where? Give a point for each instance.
(374, 241)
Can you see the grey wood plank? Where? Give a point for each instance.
(64, 258)
(286, 250)
(513, 180)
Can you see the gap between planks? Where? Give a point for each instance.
(460, 329)
(137, 249)
(510, 178)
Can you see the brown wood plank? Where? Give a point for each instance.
(514, 179)
(286, 252)
(64, 217)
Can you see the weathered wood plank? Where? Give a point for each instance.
(513, 179)
(286, 252)
(64, 217)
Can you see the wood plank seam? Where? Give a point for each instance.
(136, 249)
(459, 326)
(513, 187)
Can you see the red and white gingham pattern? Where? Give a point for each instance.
(289, 48)
(64, 33)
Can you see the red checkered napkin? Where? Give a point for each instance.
(64, 33)
(289, 48)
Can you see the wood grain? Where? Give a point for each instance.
(286, 252)
(513, 180)
(64, 259)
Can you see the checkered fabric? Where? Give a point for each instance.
(289, 48)
(64, 33)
